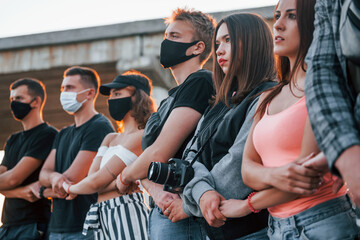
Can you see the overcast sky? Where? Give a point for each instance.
(22, 17)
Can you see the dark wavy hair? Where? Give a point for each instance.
(252, 59)
(305, 20)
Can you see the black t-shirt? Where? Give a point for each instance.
(35, 143)
(69, 216)
(195, 92)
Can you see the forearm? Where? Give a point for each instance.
(271, 197)
(46, 176)
(88, 185)
(138, 169)
(7, 182)
(13, 193)
(255, 175)
(110, 187)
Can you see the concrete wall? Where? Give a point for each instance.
(109, 49)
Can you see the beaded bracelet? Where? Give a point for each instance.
(122, 181)
(249, 203)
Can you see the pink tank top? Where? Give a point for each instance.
(277, 139)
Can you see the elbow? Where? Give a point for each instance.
(245, 173)
(245, 177)
(14, 182)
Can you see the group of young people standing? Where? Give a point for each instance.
(258, 174)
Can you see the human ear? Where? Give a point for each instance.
(199, 48)
(36, 103)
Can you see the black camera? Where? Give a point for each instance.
(174, 175)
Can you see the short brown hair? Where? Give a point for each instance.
(35, 88)
(203, 24)
(88, 76)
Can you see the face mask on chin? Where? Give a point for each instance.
(173, 53)
(119, 107)
(20, 110)
(69, 102)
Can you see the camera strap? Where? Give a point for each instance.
(220, 115)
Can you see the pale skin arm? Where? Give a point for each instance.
(94, 168)
(95, 165)
(181, 122)
(292, 177)
(99, 180)
(272, 196)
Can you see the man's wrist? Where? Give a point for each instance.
(41, 192)
(345, 158)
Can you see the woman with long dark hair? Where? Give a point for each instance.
(279, 142)
(117, 216)
(243, 68)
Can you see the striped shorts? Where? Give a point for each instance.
(124, 217)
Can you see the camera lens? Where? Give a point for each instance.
(158, 172)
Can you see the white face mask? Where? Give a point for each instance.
(69, 102)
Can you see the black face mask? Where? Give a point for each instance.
(20, 110)
(173, 53)
(119, 107)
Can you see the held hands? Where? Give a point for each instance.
(162, 198)
(67, 189)
(169, 203)
(233, 208)
(35, 189)
(209, 204)
(174, 211)
(57, 185)
(126, 188)
(320, 164)
(295, 177)
(28, 192)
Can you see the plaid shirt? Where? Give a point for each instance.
(329, 99)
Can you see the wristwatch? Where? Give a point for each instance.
(41, 191)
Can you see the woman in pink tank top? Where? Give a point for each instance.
(301, 199)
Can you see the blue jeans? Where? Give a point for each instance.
(330, 220)
(259, 235)
(161, 228)
(72, 236)
(21, 232)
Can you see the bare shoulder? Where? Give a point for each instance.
(109, 138)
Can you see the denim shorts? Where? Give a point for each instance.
(330, 220)
(161, 228)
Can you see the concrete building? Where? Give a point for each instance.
(109, 49)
